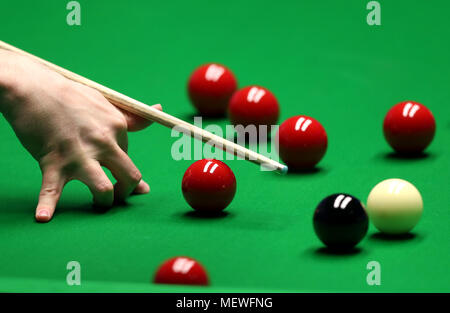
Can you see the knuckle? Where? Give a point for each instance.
(101, 137)
(47, 160)
(119, 123)
(49, 191)
(104, 187)
(135, 176)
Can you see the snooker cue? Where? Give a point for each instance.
(131, 105)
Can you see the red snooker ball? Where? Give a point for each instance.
(409, 127)
(254, 105)
(210, 87)
(208, 186)
(181, 271)
(302, 142)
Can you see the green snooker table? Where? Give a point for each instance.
(320, 58)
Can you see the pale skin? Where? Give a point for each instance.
(71, 130)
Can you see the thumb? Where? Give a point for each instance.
(135, 122)
(52, 185)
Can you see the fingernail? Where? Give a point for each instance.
(43, 214)
(145, 188)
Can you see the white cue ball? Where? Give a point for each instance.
(394, 206)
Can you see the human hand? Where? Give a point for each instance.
(71, 130)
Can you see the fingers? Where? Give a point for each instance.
(125, 172)
(93, 176)
(142, 188)
(104, 193)
(135, 122)
(52, 186)
(157, 106)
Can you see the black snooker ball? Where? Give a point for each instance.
(340, 221)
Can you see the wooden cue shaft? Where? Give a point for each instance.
(131, 105)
